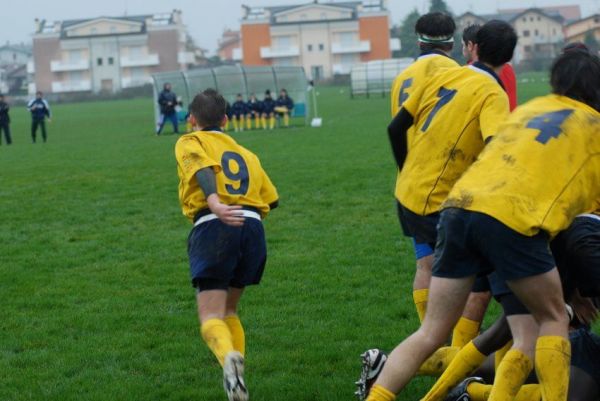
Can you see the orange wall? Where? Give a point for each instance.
(255, 36)
(376, 30)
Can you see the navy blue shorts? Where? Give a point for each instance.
(472, 243)
(502, 293)
(223, 256)
(423, 229)
(585, 352)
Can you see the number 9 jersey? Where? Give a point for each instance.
(240, 177)
(541, 171)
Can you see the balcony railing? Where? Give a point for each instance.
(140, 61)
(363, 46)
(131, 82)
(30, 67)
(280, 51)
(71, 86)
(237, 54)
(341, 69)
(59, 65)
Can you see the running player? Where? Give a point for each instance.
(478, 231)
(225, 192)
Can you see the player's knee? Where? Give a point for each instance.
(431, 339)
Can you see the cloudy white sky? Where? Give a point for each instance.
(206, 19)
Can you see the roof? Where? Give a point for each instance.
(511, 17)
(568, 12)
(593, 16)
(273, 11)
(17, 48)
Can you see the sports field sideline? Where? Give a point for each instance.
(97, 303)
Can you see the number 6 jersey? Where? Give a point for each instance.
(240, 178)
(454, 112)
(541, 171)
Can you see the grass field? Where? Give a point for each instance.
(96, 297)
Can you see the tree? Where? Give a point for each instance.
(439, 6)
(407, 36)
(591, 42)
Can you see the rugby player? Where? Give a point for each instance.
(225, 192)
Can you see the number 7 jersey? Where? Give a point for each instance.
(541, 171)
(454, 113)
(240, 178)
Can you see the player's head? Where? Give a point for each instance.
(252, 96)
(39, 94)
(283, 93)
(435, 31)
(575, 46)
(495, 43)
(208, 109)
(240, 97)
(167, 86)
(268, 94)
(576, 74)
(469, 38)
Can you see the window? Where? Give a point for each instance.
(526, 33)
(527, 49)
(524, 19)
(539, 18)
(111, 61)
(323, 16)
(309, 47)
(75, 56)
(113, 29)
(348, 59)
(321, 47)
(99, 61)
(76, 76)
(94, 31)
(135, 52)
(536, 33)
(347, 38)
(138, 73)
(531, 19)
(302, 17)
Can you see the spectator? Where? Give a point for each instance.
(238, 111)
(254, 109)
(39, 112)
(268, 111)
(284, 107)
(167, 101)
(4, 121)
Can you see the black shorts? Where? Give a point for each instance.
(472, 243)
(577, 254)
(223, 256)
(423, 229)
(585, 352)
(502, 294)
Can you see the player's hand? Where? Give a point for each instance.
(584, 308)
(230, 215)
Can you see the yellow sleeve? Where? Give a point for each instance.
(192, 157)
(413, 102)
(268, 192)
(494, 111)
(394, 96)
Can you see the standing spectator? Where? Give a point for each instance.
(254, 111)
(39, 112)
(268, 110)
(284, 107)
(4, 121)
(167, 101)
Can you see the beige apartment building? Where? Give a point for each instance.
(107, 53)
(326, 38)
(577, 31)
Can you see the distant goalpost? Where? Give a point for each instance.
(231, 80)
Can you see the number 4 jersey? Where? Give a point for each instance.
(240, 178)
(540, 171)
(454, 113)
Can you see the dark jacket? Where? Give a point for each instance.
(268, 105)
(164, 99)
(39, 109)
(255, 106)
(4, 117)
(239, 108)
(285, 101)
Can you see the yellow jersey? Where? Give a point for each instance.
(541, 171)
(454, 113)
(240, 177)
(425, 66)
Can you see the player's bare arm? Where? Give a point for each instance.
(229, 215)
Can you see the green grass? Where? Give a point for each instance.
(96, 297)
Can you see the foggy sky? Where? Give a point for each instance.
(206, 19)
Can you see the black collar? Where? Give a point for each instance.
(483, 67)
(212, 128)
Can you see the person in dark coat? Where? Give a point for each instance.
(4, 121)
(284, 106)
(40, 111)
(167, 100)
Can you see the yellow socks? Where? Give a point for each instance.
(241, 123)
(438, 362)
(248, 123)
(286, 119)
(466, 361)
(552, 359)
(464, 331)
(235, 124)
(238, 338)
(217, 336)
(379, 393)
(257, 122)
(263, 121)
(227, 125)
(420, 299)
(510, 376)
(498, 355)
(481, 392)
(272, 122)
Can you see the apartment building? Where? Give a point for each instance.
(577, 31)
(107, 53)
(230, 46)
(324, 38)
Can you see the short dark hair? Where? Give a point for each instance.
(496, 41)
(576, 74)
(208, 108)
(470, 33)
(436, 25)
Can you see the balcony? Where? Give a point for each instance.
(395, 44)
(59, 65)
(237, 54)
(30, 67)
(132, 82)
(341, 69)
(140, 61)
(186, 58)
(275, 52)
(363, 46)
(71, 86)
